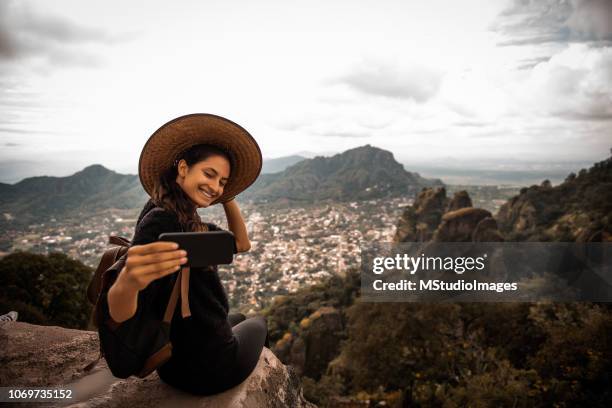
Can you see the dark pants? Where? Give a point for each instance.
(251, 335)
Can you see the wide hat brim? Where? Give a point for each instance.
(171, 139)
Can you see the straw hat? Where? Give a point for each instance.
(165, 146)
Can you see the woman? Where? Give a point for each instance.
(194, 161)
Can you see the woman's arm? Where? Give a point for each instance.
(236, 225)
(122, 301)
(146, 260)
(143, 265)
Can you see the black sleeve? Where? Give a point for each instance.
(215, 227)
(153, 224)
(127, 344)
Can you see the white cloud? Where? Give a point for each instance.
(394, 79)
(574, 84)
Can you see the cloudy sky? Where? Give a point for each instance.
(509, 84)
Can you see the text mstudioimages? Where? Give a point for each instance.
(439, 285)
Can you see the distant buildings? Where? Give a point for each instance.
(291, 247)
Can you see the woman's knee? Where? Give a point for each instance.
(261, 320)
(255, 324)
(235, 318)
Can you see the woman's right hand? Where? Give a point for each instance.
(146, 263)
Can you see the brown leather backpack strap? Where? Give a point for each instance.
(181, 287)
(115, 240)
(185, 311)
(155, 360)
(95, 285)
(173, 299)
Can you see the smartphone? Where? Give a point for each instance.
(204, 248)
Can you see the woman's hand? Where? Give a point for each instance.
(146, 263)
(235, 222)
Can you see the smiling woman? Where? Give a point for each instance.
(192, 162)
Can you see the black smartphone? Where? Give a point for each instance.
(204, 248)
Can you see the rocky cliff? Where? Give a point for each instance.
(45, 356)
(579, 209)
(435, 217)
(315, 344)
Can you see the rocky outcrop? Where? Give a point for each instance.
(486, 231)
(40, 356)
(459, 225)
(419, 221)
(518, 214)
(315, 344)
(460, 200)
(322, 338)
(579, 209)
(428, 220)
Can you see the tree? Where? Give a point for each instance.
(45, 289)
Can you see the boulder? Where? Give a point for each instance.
(518, 214)
(419, 221)
(460, 200)
(322, 339)
(459, 225)
(297, 356)
(486, 231)
(45, 356)
(316, 343)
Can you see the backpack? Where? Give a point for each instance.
(143, 347)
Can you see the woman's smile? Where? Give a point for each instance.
(207, 194)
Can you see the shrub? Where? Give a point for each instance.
(45, 289)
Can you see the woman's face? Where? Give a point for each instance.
(204, 181)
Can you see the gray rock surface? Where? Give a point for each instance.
(48, 356)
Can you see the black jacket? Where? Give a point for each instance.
(204, 347)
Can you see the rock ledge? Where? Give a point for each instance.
(48, 356)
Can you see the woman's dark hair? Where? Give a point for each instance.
(170, 196)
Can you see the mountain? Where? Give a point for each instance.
(579, 209)
(93, 188)
(361, 173)
(280, 163)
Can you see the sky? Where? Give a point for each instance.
(480, 84)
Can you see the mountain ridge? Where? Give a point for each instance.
(363, 172)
